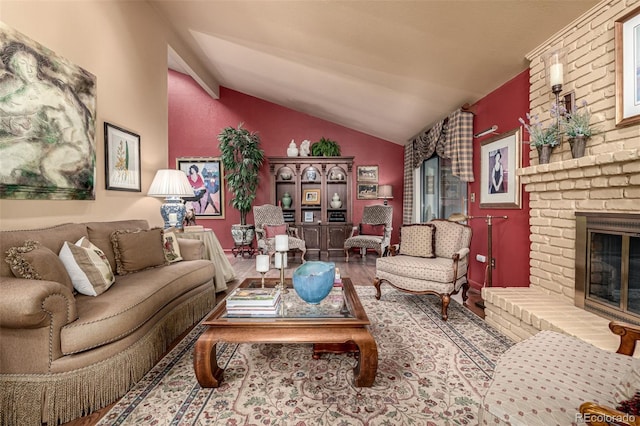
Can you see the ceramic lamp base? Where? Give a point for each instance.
(173, 212)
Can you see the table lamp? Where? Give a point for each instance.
(171, 185)
(385, 192)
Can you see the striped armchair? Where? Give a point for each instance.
(374, 232)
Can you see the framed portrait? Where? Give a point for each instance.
(367, 174)
(308, 216)
(627, 62)
(311, 197)
(367, 191)
(122, 159)
(206, 176)
(499, 159)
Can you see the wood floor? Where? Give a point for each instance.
(360, 272)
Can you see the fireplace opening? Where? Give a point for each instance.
(608, 265)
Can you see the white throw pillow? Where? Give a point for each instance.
(87, 266)
(171, 247)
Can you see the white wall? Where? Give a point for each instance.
(124, 44)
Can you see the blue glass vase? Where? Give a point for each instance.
(313, 281)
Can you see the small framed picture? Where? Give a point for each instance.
(499, 184)
(308, 216)
(311, 197)
(367, 191)
(367, 174)
(122, 159)
(206, 176)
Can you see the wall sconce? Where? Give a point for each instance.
(171, 185)
(385, 192)
(555, 65)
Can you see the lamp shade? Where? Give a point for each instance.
(385, 191)
(170, 183)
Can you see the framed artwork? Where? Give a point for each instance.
(627, 45)
(367, 174)
(367, 191)
(499, 158)
(206, 176)
(311, 197)
(122, 159)
(308, 216)
(48, 125)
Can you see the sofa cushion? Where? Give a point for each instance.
(87, 267)
(439, 269)
(449, 238)
(138, 250)
(32, 261)
(544, 379)
(99, 233)
(272, 230)
(52, 238)
(418, 240)
(130, 302)
(171, 247)
(369, 229)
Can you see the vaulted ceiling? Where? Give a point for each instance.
(385, 68)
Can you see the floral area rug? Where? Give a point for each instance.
(430, 372)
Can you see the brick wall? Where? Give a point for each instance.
(607, 178)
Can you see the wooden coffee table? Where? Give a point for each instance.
(337, 324)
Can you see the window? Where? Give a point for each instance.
(439, 193)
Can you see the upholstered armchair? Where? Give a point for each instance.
(374, 232)
(432, 258)
(269, 222)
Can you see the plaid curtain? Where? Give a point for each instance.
(407, 200)
(459, 145)
(426, 143)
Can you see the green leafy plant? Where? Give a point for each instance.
(241, 158)
(576, 123)
(325, 148)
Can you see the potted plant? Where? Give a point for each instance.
(544, 138)
(325, 148)
(576, 126)
(241, 157)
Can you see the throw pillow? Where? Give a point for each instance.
(368, 229)
(418, 240)
(272, 230)
(35, 262)
(629, 383)
(87, 266)
(171, 247)
(138, 250)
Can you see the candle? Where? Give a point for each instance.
(173, 218)
(556, 75)
(262, 263)
(277, 258)
(282, 243)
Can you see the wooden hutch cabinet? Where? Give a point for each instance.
(323, 220)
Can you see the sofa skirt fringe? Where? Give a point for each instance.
(33, 399)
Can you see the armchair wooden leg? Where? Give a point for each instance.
(304, 251)
(465, 288)
(445, 305)
(346, 253)
(376, 284)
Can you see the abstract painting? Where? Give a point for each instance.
(47, 123)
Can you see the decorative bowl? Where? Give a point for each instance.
(313, 281)
(285, 176)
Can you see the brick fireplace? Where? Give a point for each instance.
(606, 180)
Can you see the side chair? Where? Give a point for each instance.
(374, 232)
(269, 222)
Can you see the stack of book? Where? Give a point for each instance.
(251, 302)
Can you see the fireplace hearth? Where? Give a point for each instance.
(608, 265)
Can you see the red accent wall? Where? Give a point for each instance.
(195, 119)
(511, 242)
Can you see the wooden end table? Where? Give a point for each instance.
(337, 324)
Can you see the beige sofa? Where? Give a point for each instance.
(65, 354)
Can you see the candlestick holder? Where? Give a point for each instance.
(262, 283)
(282, 284)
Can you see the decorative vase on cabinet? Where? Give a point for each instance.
(292, 151)
(286, 200)
(336, 203)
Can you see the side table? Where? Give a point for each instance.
(215, 253)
